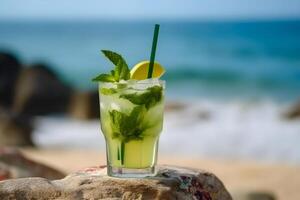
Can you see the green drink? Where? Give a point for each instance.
(131, 114)
(131, 121)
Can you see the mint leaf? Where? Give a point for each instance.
(115, 74)
(104, 78)
(121, 70)
(128, 127)
(108, 91)
(149, 98)
(113, 57)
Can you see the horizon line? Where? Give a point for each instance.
(162, 19)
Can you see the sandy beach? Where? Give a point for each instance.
(281, 180)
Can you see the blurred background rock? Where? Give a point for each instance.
(36, 90)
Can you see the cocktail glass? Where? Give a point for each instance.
(131, 115)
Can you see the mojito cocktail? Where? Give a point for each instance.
(131, 121)
(131, 114)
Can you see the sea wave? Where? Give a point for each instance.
(204, 128)
(222, 83)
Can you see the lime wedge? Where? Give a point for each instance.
(140, 70)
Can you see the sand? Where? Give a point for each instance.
(281, 180)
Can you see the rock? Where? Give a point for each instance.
(293, 112)
(85, 105)
(4, 173)
(9, 71)
(13, 164)
(203, 115)
(15, 130)
(175, 106)
(39, 91)
(92, 183)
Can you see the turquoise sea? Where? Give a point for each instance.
(233, 59)
(244, 75)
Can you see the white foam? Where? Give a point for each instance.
(245, 130)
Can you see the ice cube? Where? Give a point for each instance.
(102, 106)
(115, 106)
(144, 84)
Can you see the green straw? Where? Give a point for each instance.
(153, 50)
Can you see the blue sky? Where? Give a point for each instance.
(148, 9)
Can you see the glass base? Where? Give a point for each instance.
(122, 172)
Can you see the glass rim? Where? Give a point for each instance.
(137, 82)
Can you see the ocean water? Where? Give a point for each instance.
(252, 60)
(237, 78)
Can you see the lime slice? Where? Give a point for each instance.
(140, 70)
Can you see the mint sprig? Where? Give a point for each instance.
(128, 127)
(108, 91)
(149, 98)
(104, 78)
(120, 72)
